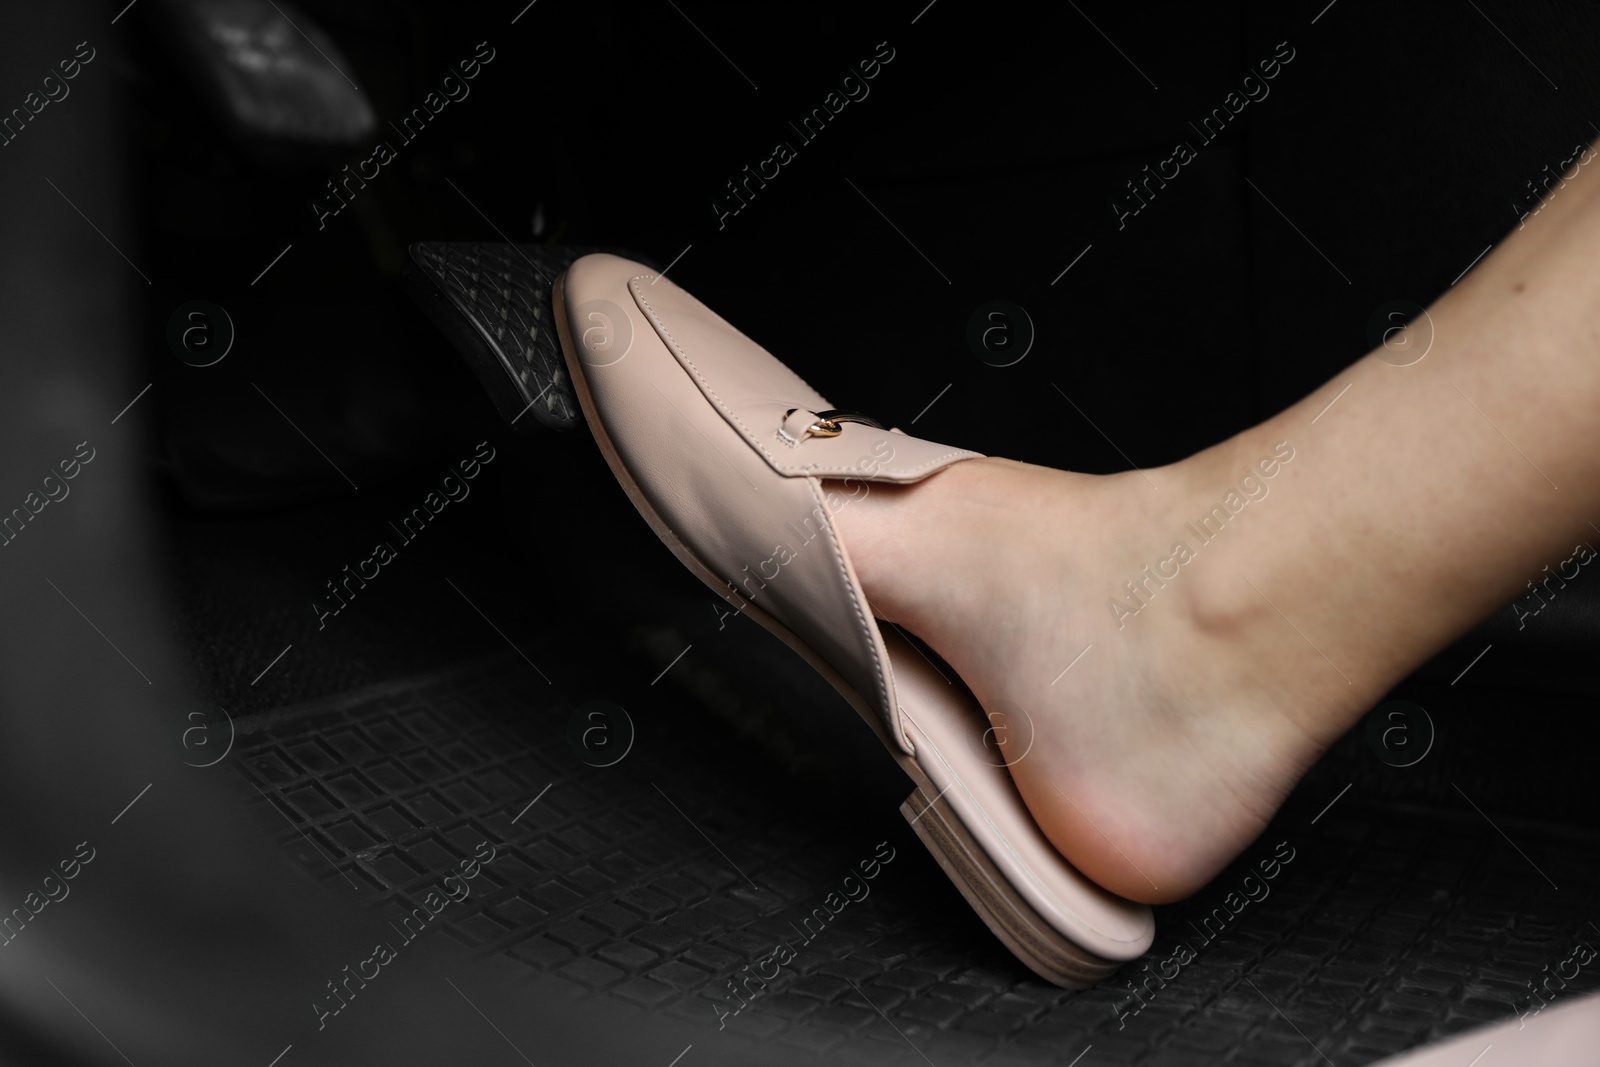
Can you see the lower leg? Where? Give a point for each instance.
(1220, 658)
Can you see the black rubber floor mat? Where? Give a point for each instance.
(693, 880)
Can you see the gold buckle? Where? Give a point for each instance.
(828, 422)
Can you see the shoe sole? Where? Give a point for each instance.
(1028, 935)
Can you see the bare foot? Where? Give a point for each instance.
(1164, 733)
(1272, 587)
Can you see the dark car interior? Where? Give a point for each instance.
(403, 608)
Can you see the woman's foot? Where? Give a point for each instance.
(1152, 735)
(1186, 641)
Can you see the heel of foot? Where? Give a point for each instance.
(1018, 926)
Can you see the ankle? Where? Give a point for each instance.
(975, 521)
(1254, 601)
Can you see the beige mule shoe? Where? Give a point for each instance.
(724, 450)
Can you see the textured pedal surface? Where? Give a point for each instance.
(492, 302)
(643, 888)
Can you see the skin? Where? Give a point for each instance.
(1426, 498)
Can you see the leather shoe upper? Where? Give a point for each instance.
(715, 432)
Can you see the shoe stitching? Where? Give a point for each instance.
(693, 369)
(851, 473)
(733, 415)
